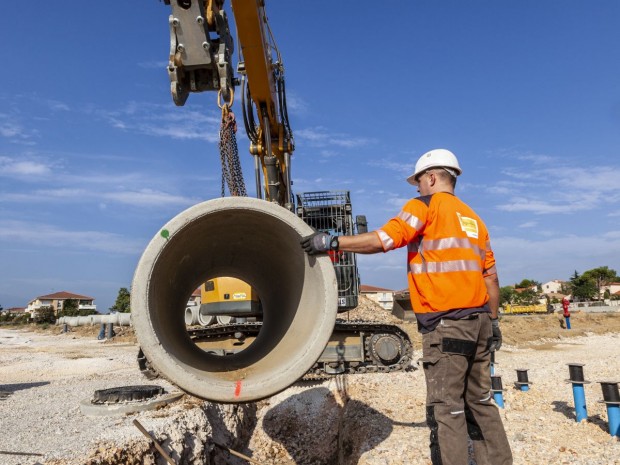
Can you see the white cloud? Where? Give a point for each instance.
(320, 137)
(295, 103)
(528, 224)
(166, 121)
(404, 169)
(138, 197)
(45, 235)
(153, 65)
(148, 198)
(385, 270)
(396, 202)
(56, 105)
(15, 132)
(10, 166)
(555, 257)
(556, 186)
(540, 207)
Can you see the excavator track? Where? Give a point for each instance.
(385, 349)
(355, 347)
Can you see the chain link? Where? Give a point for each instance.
(232, 176)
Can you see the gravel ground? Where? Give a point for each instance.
(365, 419)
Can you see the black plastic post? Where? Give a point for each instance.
(497, 389)
(611, 397)
(610, 391)
(575, 371)
(522, 379)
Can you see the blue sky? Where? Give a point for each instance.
(95, 157)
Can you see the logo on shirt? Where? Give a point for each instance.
(468, 225)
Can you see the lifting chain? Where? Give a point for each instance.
(232, 176)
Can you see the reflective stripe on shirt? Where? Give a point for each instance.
(411, 220)
(386, 240)
(444, 267)
(455, 243)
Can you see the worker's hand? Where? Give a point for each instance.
(496, 339)
(316, 243)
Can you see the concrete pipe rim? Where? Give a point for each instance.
(248, 224)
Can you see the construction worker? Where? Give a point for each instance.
(454, 292)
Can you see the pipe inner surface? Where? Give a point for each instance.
(257, 242)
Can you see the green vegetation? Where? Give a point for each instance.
(122, 304)
(582, 287)
(45, 315)
(71, 307)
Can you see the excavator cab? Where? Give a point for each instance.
(331, 212)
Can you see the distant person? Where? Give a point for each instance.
(454, 293)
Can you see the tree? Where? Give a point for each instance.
(122, 304)
(601, 276)
(527, 283)
(70, 307)
(506, 295)
(582, 287)
(45, 315)
(526, 297)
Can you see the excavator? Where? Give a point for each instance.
(201, 53)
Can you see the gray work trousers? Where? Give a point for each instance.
(456, 361)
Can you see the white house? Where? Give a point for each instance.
(57, 300)
(613, 288)
(552, 287)
(384, 297)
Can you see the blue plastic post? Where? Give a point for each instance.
(611, 397)
(497, 389)
(567, 319)
(576, 378)
(581, 413)
(498, 397)
(613, 413)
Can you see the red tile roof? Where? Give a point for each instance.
(365, 288)
(16, 310)
(64, 295)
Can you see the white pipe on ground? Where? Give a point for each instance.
(257, 242)
(191, 316)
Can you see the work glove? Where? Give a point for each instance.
(496, 339)
(316, 243)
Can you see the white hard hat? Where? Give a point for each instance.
(437, 158)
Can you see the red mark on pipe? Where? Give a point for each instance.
(238, 388)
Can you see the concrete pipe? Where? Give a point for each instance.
(257, 242)
(72, 320)
(124, 319)
(95, 319)
(109, 319)
(191, 316)
(224, 319)
(83, 321)
(205, 320)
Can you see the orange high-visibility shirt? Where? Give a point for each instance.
(449, 254)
